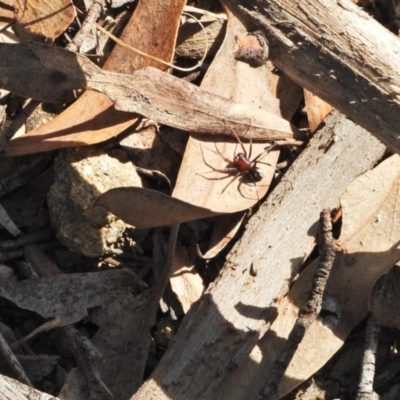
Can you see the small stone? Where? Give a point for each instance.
(81, 176)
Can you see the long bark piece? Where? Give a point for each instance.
(335, 50)
(209, 357)
(149, 92)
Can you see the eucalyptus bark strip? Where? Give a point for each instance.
(49, 74)
(338, 52)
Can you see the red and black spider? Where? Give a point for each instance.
(242, 164)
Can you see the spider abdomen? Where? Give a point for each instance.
(256, 173)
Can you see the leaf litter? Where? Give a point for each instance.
(92, 118)
(369, 234)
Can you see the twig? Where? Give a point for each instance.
(10, 255)
(196, 10)
(47, 326)
(38, 236)
(20, 170)
(365, 386)
(88, 357)
(92, 16)
(13, 362)
(311, 309)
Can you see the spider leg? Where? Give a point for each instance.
(241, 143)
(231, 181)
(213, 179)
(255, 185)
(250, 147)
(228, 170)
(276, 169)
(265, 152)
(220, 154)
(209, 165)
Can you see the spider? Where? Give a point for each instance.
(242, 164)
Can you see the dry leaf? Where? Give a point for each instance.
(57, 135)
(41, 263)
(185, 282)
(43, 20)
(286, 90)
(93, 118)
(197, 183)
(191, 40)
(225, 228)
(369, 242)
(144, 208)
(317, 110)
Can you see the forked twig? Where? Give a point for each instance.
(308, 314)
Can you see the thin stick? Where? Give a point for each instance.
(366, 384)
(92, 16)
(242, 145)
(37, 236)
(311, 309)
